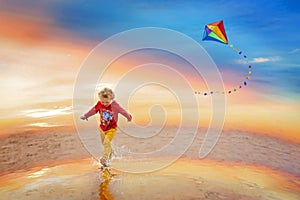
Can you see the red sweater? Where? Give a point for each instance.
(108, 115)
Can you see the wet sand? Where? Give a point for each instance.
(45, 146)
(53, 164)
(185, 179)
(232, 147)
(51, 145)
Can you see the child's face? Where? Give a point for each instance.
(106, 101)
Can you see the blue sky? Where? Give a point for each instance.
(264, 29)
(267, 31)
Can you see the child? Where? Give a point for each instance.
(108, 110)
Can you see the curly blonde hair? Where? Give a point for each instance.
(106, 93)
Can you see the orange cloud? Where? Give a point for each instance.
(25, 29)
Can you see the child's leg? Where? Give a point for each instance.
(102, 135)
(109, 135)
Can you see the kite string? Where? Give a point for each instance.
(249, 72)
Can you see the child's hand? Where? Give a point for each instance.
(84, 118)
(130, 118)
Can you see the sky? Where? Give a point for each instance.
(44, 44)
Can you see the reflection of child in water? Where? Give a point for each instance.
(108, 110)
(104, 187)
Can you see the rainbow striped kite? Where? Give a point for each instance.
(216, 32)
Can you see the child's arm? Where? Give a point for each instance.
(91, 112)
(122, 111)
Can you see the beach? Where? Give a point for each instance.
(184, 179)
(55, 165)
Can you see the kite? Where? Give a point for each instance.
(216, 32)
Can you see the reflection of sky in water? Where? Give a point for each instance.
(182, 180)
(38, 173)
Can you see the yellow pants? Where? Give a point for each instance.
(106, 138)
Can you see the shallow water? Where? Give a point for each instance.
(185, 179)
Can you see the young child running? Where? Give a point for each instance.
(108, 109)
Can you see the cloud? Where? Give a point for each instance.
(43, 124)
(259, 60)
(294, 51)
(41, 112)
(265, 59)
(240, 61)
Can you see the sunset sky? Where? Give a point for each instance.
(45, 43)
